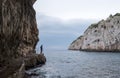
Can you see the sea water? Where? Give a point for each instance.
(78, 64)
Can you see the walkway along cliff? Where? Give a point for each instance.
(102, 36)
(18, 38)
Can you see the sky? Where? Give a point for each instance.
(75, 9)
(61, 21)
(57, 34)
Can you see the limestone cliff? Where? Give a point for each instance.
(18, 29)
(102, 36)
(18, 35)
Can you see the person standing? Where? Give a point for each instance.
(41, 48)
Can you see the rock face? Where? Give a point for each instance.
(18, 36)
(102, 36)
(33, 60)
(18, 28)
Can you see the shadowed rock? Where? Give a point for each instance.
(18, 36)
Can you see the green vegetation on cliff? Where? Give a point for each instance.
(117, 14)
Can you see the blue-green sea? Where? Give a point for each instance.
(78, 64)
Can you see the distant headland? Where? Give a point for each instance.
(101, 36)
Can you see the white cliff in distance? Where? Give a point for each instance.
(102, 36)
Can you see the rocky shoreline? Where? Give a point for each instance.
(17, 67)
(33, 60)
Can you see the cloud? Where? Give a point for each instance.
(69, 9)
(53, 24)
